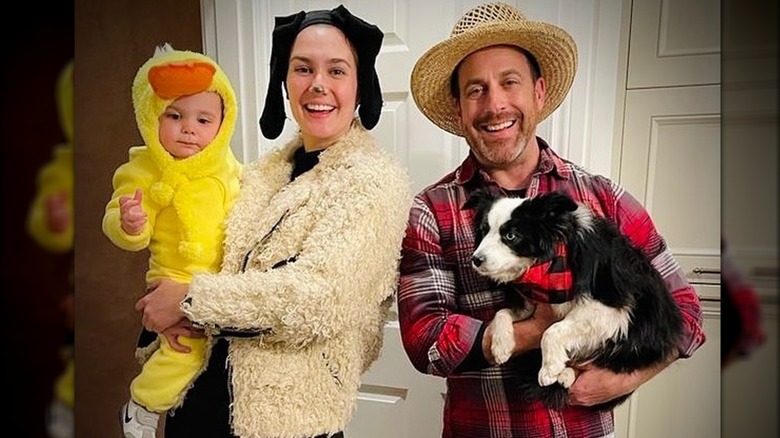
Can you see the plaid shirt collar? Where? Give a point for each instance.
(549, 281)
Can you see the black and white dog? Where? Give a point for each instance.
(617, 314)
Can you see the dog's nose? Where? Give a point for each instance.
(477, 260)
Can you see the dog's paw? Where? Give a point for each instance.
(549, 375)
(566, 377)
(502, 341)
(501, 346)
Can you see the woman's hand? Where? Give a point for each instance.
(160, 306)
(182, 328)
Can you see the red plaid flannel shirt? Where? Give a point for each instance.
(443, 303)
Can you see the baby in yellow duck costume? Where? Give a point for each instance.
(49, 218)
(50, 223)
(172, 196)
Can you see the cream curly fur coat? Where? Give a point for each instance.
(319, 259)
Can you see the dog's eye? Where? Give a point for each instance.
(510, 236)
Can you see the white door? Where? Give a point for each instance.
(396, 400)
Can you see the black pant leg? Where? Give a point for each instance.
(206, 409)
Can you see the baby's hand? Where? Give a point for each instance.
(133, 216)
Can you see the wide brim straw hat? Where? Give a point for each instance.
(484, 26)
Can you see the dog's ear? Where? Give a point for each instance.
(478, 199)
(558, 203)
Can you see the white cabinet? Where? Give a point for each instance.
(671, 145)
(683, 400)
(670, 159)
(671, 163)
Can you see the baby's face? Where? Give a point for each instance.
(190, 123)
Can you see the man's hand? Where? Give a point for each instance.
(527, 332)
(595, 385)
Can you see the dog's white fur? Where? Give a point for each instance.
(585, 323)
(500, 263)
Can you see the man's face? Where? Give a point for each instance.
(499, 104)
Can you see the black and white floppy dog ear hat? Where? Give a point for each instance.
(365, 38)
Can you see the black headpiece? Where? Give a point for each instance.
(365, 38)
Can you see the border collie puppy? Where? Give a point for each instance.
(615, 309)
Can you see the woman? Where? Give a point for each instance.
(311, 250)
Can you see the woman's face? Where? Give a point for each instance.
(322, 85)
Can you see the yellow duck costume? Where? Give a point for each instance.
(186, 202)
(56, 177)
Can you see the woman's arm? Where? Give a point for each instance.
(334, 282)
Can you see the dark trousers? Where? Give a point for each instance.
(206, 409)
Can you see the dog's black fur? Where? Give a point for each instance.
(606, 266)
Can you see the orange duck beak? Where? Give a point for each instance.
(181, 78)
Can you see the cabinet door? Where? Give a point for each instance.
(684, 400)
(674, 43)
(670, 161)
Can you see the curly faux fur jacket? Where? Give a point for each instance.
(312, 265)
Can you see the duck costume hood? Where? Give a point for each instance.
(170, 74)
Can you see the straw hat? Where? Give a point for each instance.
(488, 25)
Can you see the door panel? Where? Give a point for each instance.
(671, 163)
(395, 400)
(667, 49)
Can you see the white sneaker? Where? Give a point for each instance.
(137, 422)
(59, 420)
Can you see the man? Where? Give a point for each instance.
(493, 81)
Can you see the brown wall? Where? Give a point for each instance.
(113, 39)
